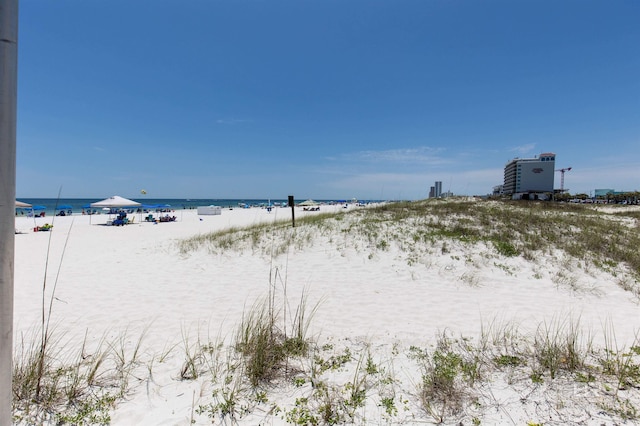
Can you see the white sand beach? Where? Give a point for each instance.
(133, 285)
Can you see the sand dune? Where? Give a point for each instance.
(389, 302)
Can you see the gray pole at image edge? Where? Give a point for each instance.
(8, 108)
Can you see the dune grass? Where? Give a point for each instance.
(607, 241)
(67, 384)
(451, 375)
(445, 382)
(338, 384)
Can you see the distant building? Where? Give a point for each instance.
(436, 190)
(603, 192)
(529, 175)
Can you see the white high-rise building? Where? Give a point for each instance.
(530, 174)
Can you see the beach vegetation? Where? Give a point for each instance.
(505, 248)
(559, 346)
(448, 375)
(266, 344)
(620, 407)
(262, 345)
(76, 385)
(532, 230)
(620, 363)
(508, 361)
(192, 366)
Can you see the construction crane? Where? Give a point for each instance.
(562, 172)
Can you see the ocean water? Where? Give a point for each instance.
(52, 205)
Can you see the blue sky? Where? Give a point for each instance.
(323, 98)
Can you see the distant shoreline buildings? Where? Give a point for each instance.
(528, 176)
(533, 179)
(436, 190)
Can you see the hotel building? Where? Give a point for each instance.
(530, 175)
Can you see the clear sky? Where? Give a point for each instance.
(323, 98)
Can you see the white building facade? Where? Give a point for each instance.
(530, 175)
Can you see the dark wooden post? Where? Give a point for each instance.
(293, 216)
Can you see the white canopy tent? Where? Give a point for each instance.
(114, 202)
(23, 205)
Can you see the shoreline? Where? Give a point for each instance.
(77, 205)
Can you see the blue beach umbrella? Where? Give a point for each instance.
(64, 207)
(34, 208)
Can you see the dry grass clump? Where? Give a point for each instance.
(268, 347)
(559, 346)
(265, 347)
(449, 373)
(71, 386)
(267, 344)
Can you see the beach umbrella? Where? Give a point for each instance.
(36, 208)
(308, 203)
(64, 207)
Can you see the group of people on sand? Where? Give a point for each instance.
(165, 218)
